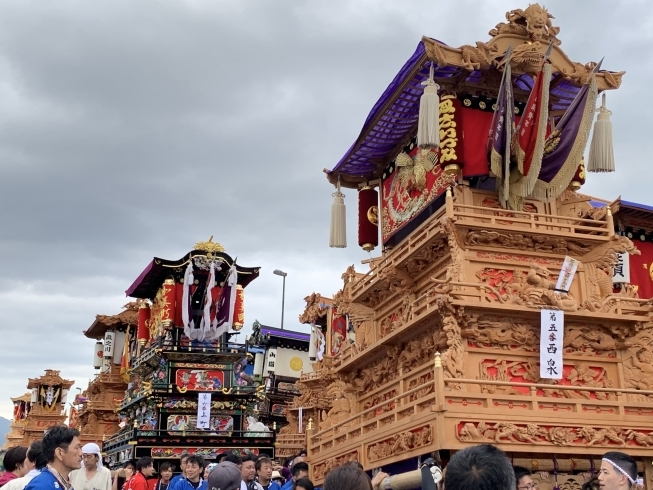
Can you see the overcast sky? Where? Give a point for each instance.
(132, 129)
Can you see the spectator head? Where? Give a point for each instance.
(248, 468)
(346, 476)
(165, 470)
(91, 456)
(299, 470)
(523, 478)
(303, 484)
(278, 477)
(14, 461)
(182, 462)
(130, 468)
(482, 467)
(36, 456)
(62, 448)
(618, 471)
(194, 467)
(225, 476)
(592, 484)
(145, 466)
(234, 458)
(264, 470)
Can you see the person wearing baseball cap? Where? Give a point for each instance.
(225, 476)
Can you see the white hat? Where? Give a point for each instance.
(276, 475)
(92, 448)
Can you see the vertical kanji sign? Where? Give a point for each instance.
(203, 410)
(620, 275)
(551, 334)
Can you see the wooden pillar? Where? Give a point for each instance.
(648, 473)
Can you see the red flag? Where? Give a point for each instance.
(530, 138)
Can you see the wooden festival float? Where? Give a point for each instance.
(190, 388)
(41, 407)
(437, 346)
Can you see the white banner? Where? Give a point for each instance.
(567, 273)
(109, 337)
(301, 419)
(621, 272)
(203, 410)
(118, 347)
(270, 361)
(551, 334)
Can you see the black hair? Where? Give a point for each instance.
(591, 484)
(260, 461)
(130, 462)
(195, 459)
(233, 458)
(250, 457)
(482, 467)
(165, 466)
(520, 472)
(304, 483)
(356, 464)
(346, 476)
(144, 462)
(183, 456)
(301, 466)
(220, 457)
(57, 436)
(36, 456)
(625, 462)
(14, 457)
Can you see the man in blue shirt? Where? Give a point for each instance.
(63, 450)
(182, 466)
(263, 467)
(299, 470)
(194, 469)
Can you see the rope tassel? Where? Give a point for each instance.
(338, 234)
(428, 130)
(601, 151)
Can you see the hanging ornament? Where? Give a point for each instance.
(451, 143)
(368, 218)
(579, 177)
(239, 309)
(143, 323)
(601, 157)
(428, 130)
(338, 233)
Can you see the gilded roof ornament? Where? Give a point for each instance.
(210, 246)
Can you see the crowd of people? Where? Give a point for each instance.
(60, 462)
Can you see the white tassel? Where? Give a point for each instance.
(601, 151)
(338, 235)
(428, 130)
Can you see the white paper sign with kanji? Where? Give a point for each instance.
(203, 410)
(551, 334)
(621, 273)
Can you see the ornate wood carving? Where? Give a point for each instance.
(321, 469)
(402, 442)
(558, 435)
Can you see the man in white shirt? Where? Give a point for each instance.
(36, 460)
(92, 475)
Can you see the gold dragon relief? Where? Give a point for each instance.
(549, 434)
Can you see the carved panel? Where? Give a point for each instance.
(544, 434)
(402, 442)
(321, 469)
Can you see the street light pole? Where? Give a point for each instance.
(283, 294)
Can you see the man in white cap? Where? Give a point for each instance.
(92, 475)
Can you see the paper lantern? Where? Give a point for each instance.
(451, 136)
(258, 364)
(239, 308)
(368, 218)
(143, 323)
(98, 355)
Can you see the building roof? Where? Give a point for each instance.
(102, 323)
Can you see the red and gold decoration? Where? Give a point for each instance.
(163, 308)
(452, 158)
(338, 330)
(409, 185)
(144, 313)
(641, 269)
(368, 218)
(199, 380)
(239, 309)
(179, 303)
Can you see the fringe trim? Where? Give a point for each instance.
(496, 164)
(548, 192)
(524, 186)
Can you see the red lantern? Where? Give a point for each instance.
(143, 323)
(451, 136)
(179, 300)
(239, 308)
(368, 218)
